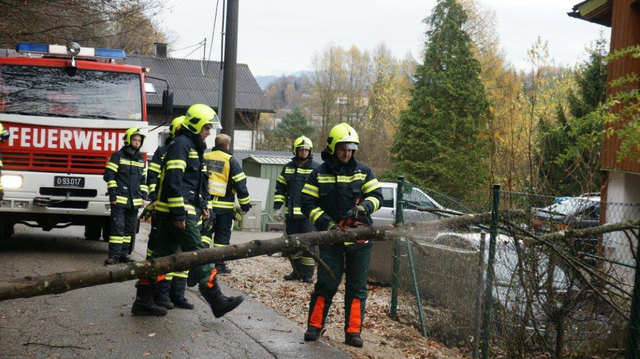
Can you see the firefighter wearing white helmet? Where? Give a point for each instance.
(125, 176)
(178, 207)
(341, 193)
(288, 193)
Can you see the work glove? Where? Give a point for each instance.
(208, 223)
(245, 208)
(358, 211)
(332, 226)
(277, 217)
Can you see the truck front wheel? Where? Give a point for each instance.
(6, 229)
(92, 231)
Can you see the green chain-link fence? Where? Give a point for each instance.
(526, 291)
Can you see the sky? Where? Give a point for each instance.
(282, 36)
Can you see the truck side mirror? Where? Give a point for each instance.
(167, 102)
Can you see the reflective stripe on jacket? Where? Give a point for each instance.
(236, 180)
(332, 190)
(289, 187)
(155, 168)
(125, 176)
(180, 180)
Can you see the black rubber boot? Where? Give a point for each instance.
(124, 254)
(176, 293)
(161, 295)
(312, 334)
(353, 339)
(297, 270)
(220, 303)
(222, 268)
(144, 304)
(307, 273)
(292, 276)
(114, 254)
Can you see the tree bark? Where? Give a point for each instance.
(66, 281)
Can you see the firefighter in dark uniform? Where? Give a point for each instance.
(4, 135)
(125, 176)
(169, 293)
(288, 191)
(226, 180)
(176, 207)
(342, 192)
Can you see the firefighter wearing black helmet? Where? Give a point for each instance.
(125, 176)
(178, 208)
(288, 193)
(341, 192)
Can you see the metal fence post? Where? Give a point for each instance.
(479, 294)
(396, 251)
(634, 320)
(417, 289)
(488, 308)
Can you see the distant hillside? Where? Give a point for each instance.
(265, 81)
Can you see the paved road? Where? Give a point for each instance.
(96, 322)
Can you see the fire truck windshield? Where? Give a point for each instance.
(51, 91)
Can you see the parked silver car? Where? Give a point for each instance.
(416, 201)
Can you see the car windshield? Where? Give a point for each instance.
(570, 206)
(51, 91)
(419, 199)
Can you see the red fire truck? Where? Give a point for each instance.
(66, 108)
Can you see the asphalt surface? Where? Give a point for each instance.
(97, 322)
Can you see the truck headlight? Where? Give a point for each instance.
(11, 181)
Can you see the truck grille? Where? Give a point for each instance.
(54, 162)
(69, 204)
(71, 192)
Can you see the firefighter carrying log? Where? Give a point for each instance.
(169, 293)
(342, 192)
(178, 196)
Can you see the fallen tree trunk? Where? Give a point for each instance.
(66, 281)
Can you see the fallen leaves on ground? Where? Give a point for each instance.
(261, 278)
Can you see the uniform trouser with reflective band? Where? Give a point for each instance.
(123, 225)
(153, 242)
(355, 264)
(295, 226)
(222, 227)
(172, 239)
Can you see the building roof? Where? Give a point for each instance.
(268, 160)
(269, 157)
(597, 11)
(196, 81)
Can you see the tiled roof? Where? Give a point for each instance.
(195, 81)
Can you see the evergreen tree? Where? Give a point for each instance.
(441, 141)
(293, 125)
(571, 146)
